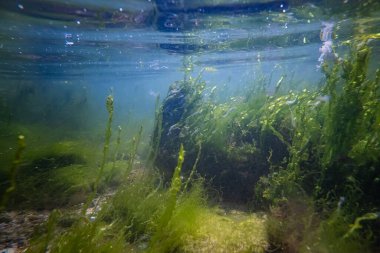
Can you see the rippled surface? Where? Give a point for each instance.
(128, 39)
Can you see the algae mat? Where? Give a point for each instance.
(233, 232)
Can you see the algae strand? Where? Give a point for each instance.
(132, 156)
(110, 109)
(13, 171)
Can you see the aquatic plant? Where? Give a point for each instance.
(174, 189)
(181, 102)
(137, 210)
(334, 156)
(309, 157)
(50, 228)
(332, 236)
(144, 214)
(170, 206)
(42, 178)
(134, 148)
(294, 226)
(186, 224)
(118, 141)
(320, 144)
(110, 108)
(84, 235)
(135, 207)
(351, 133)
(139, 207)
(81, 237)
(236, 137)
(13, 172)
(193, 170)
(157, 132)
(183, 222)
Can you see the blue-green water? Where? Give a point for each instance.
(87, 48)
(275, 102)
(139, 50)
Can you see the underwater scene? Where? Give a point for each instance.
(190, 126)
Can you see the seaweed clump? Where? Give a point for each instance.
(318, 146)
(145, 216)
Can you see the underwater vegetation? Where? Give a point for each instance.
(319, 147)
(145, 216)
(306, 161)
(55, 175)
(140, 214)
(13, 172)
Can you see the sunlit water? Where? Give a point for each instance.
(60, 55)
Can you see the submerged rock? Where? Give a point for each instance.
(173, 109)
(231, 158)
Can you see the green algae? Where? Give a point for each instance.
(134, 148)
(326, 161)
(308, 158)
(317, 144)
(13, 172)
(233, 232)
(145, 216)
(156, 137)
(162, 220)
(110, 109)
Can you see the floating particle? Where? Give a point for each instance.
(20, 6)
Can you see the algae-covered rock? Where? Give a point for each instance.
(173, 109)
(236, 139)
(182, 100)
